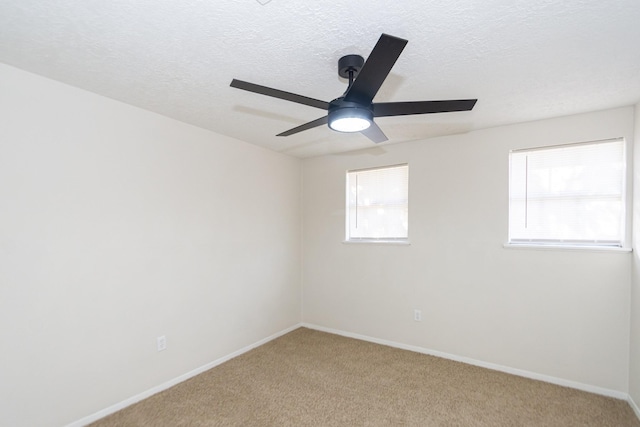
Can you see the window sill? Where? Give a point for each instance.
(377, 242)
(567, 248)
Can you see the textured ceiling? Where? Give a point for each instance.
(523, 59)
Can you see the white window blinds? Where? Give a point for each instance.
(378, 203)
(570, 194)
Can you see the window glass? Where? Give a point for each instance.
(571, 194)
(377, 204)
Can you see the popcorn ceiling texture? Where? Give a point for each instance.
(523, 60)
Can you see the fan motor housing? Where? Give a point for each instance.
(340, 109)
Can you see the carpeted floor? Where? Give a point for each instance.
(311, 378)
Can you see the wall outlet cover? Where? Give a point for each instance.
(161, 343)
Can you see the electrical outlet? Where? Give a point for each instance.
(417, 315)
(162, 343)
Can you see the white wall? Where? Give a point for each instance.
(557, 313)
(634, 355)
(118, 225)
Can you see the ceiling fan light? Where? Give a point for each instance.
(350, 124)
(350, 119)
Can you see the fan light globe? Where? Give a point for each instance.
(349, 116)
(350, 124)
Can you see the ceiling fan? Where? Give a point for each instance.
(354, 110)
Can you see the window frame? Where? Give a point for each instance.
(374, 240)
(622, 246)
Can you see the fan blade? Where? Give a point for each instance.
(287, 96)
(376, 69)
(421, 107)
(318, 122)
(374, 133)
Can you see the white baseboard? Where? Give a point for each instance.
(519, 372)
(164, 386)
(634, 406)
(527, 374)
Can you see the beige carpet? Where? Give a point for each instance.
(311, 378)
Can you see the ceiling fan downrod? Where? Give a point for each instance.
(349, 66)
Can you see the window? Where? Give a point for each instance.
(568, 195)
(378, 204)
